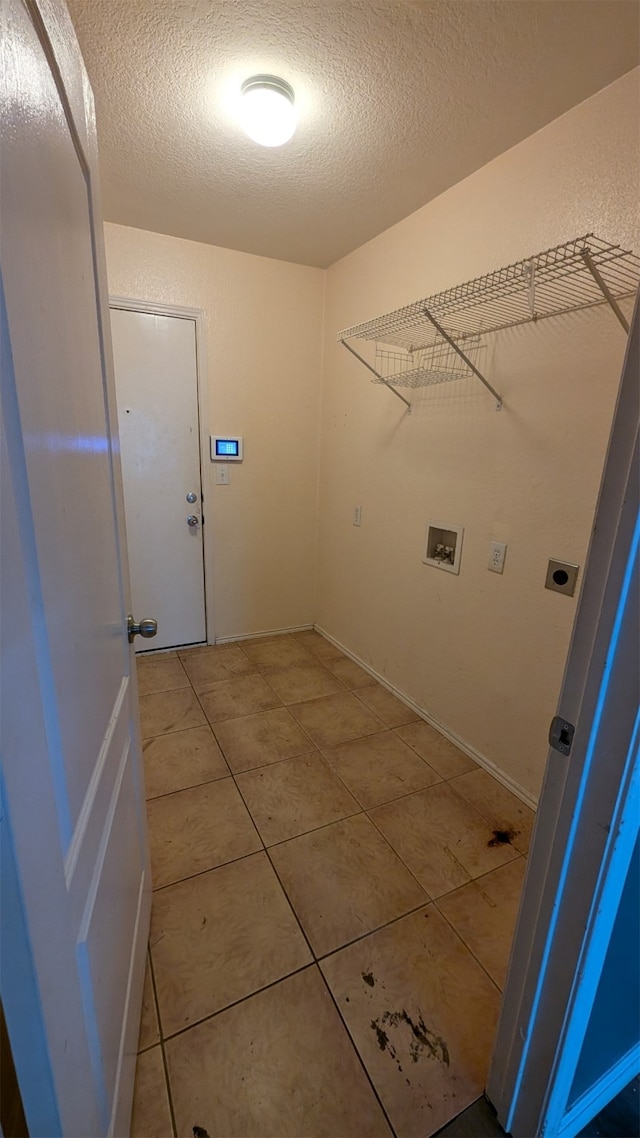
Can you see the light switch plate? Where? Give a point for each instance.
(222, 475)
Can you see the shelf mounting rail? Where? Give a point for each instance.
(432, 338)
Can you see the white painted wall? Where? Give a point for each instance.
(263, 333)
(482, 654)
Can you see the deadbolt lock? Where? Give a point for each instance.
(192, 497)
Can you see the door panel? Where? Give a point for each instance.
(74, 839)
(156, 382)
(75, 577)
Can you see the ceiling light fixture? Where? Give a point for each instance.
(268, 114)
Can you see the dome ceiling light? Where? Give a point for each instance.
(267, 111)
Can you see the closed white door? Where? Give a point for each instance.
(157, 391)
(74, 866)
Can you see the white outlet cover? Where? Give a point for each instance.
(497, 553)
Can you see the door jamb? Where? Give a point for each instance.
(159, 308)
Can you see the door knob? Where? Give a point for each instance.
(146, 628)
(192, 520)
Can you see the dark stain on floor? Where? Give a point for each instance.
(198, 1132)
(422, 1040)
(369, 978)
(503, 837)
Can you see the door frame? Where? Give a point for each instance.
(198, 315)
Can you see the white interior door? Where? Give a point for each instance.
(569, 1034)
(74, 862)
(157, 391)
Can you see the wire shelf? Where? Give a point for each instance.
(422, 367)
(579, 274)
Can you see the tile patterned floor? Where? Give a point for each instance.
(332, 913)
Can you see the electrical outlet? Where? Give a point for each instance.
(222, 475)
(497, 551)
(357, 515)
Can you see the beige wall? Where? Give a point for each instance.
(263, 341)
(482, 654)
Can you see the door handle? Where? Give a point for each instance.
(146, 628)
(192, 520)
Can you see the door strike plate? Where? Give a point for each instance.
(561, 735)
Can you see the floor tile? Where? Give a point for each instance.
(322, 648)
(439, 752)
(215, 649)
(307, 681)
(442, 839)
(503, 810)
(243, 696)
(422, 1013)
(478, 1121)
(294, 796)
(391, 710)
(216, 664)
(159, 673)
(218, 937)
(484, 914)
(169, 711)
(278, 1065)
(380, 767)
(149, 1031)
(343, 881)
(257, 740)
(351, 674)
(334, 719)
(151, 1117)
(180, 759)
(197, 829)
(281, 652)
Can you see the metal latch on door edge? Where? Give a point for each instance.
(561, 735)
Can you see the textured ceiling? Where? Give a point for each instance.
(397, 101)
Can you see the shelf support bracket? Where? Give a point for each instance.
(377, 374)
(445, 336)
(604, 289)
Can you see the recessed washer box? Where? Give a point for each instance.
(226, 448)
(444, 546)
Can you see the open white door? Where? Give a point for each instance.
(569, 1034)
(74, 863)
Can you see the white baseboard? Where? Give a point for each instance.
(520, 791)
(267, 632)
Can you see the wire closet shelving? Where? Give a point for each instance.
(437, 340)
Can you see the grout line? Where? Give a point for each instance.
(312, 750)
(286, 895)
(162, 1050)
(355, 1048)
(242, 1000)
(213, 868)
(378, 929)
(471, 951)
(193, 786)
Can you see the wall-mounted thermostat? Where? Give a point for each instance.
(226, 448)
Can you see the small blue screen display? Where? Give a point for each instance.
(227, 447)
